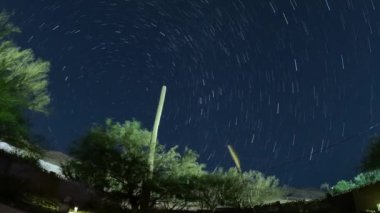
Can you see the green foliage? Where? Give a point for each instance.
(371, 160)
(113, 159)
(26, 75)
(12, 123)
(367, 178)
(22, 75)
(172, 164)
(370, 167)
(343, 186)
(236, 189)
(175, 178)
(360, 180)
(6, 28)
(23, 85)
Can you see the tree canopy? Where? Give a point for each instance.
(6, 27)
(113, 160)
(370, 169)
(371, 160)
(23, 84)
(26, 75)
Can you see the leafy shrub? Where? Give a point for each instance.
(360, 180)
(236, 189)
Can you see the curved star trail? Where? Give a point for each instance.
(281, 81)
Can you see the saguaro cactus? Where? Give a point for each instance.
(153, 141)
(152, 150)
(235, 157)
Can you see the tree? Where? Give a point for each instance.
(236, 189)
(26, 75)
(113, 160)
(23, 85)
(12, 123)
(6, 27)
(175, 178)
(370, 167)
(20, 70)
(371, 160)
(109, 159)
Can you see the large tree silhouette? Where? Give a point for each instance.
(23, 85)
(371, 160)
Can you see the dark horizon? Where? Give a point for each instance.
(279, 81)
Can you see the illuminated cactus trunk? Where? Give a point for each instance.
(145, 194)
(235, 157)
(153, 141)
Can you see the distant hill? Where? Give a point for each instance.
(55, 157)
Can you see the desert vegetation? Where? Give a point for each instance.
(123, 164)
(112, 159)
(23, 86)
(370, 170)
(118, 161)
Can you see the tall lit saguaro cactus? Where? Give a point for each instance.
(145, 194)
(153, 140)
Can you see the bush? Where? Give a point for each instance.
(236, 189)
(360, 180)
(370, 168)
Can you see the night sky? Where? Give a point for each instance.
(291, 85)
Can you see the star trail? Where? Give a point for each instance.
(291, 85)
